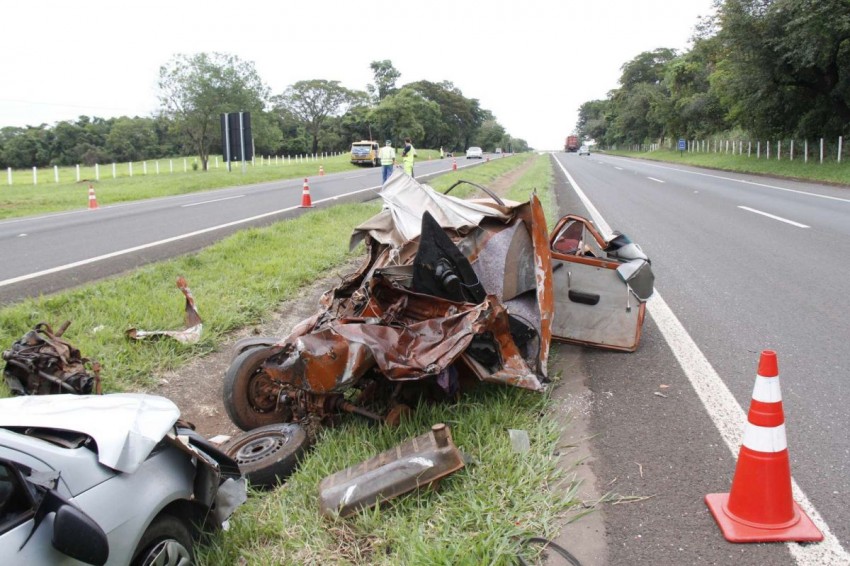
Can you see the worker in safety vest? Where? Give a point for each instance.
(407, 155)
(387, 156)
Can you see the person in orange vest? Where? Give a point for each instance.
(407, 155)
(387, 156)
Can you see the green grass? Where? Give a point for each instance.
(479, 515)
(23, 198)
(829, 171)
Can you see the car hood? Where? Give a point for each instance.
(125, 426)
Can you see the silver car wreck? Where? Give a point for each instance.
(451, 292)
(112, 479)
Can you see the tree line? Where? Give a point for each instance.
(769, 69)
(310, 116)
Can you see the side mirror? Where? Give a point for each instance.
(75, 534)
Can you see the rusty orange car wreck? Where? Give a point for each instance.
(451, 292)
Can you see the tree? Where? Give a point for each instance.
(385, 78)
(460, 117)
(312, 102)
(787, 65)
(490, 135)
(196, 89)
(406, 114)
(132, 139)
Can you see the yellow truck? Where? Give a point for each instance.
(365, 153)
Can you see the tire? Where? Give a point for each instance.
(250, 397)
(167, 542)
(268, 455)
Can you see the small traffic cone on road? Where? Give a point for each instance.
(92, 198)
(454, 164)
(306, 202)
(321, 171)
(760, 507)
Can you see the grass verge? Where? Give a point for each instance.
(828, 172)
(23, 198)
(479, 515)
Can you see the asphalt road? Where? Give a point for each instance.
(731, 281)
(666, 420)
(47, 253)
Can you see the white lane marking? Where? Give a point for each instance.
(209, 201)
(618, 168)
(117, 253)
(654, 179)
(22, 235)
(774, 187)
(791, 222)
(724, 410)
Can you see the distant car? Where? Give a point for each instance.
(584, 150)
(123, 481)
(474, 153)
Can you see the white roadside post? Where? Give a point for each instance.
(185, 165)
(805, 151)
(78, 172)
(840, 140)
(821, 151)
(113, 170)
(9, 175)
(144, 167)
(157, 166)
(55, 173)
(34, 176)
(171, 165)
(96, 172)
(131, 168)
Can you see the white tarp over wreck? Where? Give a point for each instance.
(406, 200)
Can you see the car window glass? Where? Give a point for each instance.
(569, 238)
(15, 503)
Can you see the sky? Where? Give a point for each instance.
(532, 63)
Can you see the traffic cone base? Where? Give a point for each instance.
(799, 529)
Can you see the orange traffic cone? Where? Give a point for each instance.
(321, 171)
(92, 198)
(760, 507)
(454, 164)
(306, 202)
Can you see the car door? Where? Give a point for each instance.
(593, 305)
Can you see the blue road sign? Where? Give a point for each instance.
(682, 145)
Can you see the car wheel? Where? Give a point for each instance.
(250, 395)
(268, 454)
(166, 542)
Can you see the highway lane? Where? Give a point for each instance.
(738, 281)
(51, 252)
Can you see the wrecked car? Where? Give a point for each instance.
(111, 479)
(42, 363)
(451, 292)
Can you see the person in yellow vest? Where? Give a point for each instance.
(407, 155)
(387, 156)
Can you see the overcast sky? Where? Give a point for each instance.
(530, 62)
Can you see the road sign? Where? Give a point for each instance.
(682, 145)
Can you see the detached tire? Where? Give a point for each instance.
(167, 541)
(250, 396)
(269, 454)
